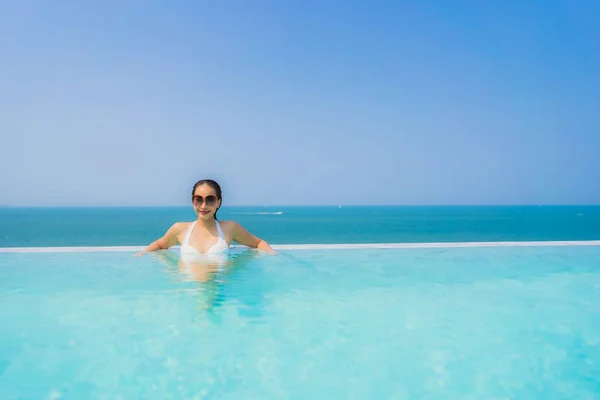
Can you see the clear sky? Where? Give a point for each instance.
(300, 102)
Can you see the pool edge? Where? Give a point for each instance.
(317, 246)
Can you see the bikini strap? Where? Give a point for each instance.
(189, 233)
(220, 231)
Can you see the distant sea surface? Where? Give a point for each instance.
(135, 226)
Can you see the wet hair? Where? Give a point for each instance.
(212, 184)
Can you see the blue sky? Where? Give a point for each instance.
(295, 102)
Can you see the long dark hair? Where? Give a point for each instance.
(212, 184)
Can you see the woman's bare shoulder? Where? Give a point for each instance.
(228, 225)
(179, 227)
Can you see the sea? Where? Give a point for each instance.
(138, 226)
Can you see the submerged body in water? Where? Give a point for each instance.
(214, 275)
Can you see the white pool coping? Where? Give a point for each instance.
(342, 246)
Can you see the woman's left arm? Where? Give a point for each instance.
(242, 236)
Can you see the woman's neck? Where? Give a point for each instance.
(207, 223)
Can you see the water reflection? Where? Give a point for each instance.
(239, 279)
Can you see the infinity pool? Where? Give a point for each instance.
(446, 323)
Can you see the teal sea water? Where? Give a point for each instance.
(130, 226)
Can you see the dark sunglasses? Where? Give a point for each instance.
(210, 200)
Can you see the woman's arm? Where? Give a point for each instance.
(242, 236)
(167, 240)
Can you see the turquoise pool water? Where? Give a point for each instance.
(445, 323)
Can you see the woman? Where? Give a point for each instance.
(207, 237)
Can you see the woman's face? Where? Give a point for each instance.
(205, 201)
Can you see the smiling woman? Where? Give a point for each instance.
(206, 236)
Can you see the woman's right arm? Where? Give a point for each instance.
(169, 239)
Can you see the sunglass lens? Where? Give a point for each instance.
(210, 200)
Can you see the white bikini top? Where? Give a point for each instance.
(219, 248)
